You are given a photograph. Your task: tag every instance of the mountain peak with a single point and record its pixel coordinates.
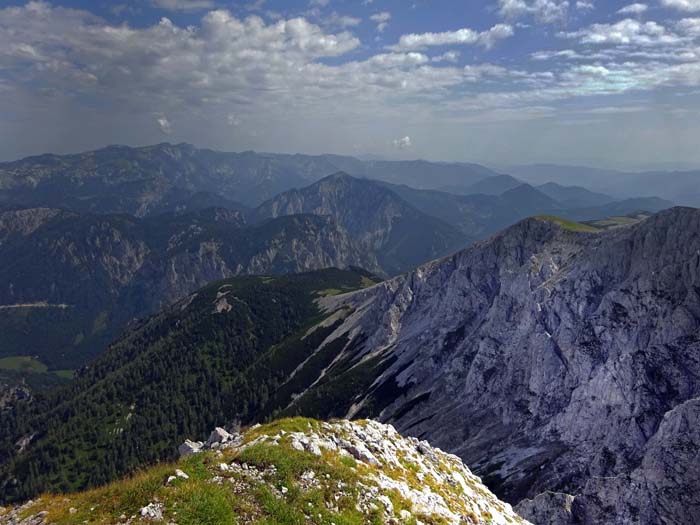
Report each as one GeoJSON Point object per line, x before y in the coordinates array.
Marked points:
{"type": "Point", "coordinates": [339, 176]}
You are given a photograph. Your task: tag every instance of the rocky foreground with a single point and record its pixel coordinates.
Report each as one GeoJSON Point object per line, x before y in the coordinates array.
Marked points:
{"type": "Point", "coordinates": [291, 471]}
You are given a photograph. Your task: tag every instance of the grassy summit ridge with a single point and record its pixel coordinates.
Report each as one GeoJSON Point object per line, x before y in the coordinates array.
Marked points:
{"type": "Point", "coordinates": [568, 224]}
{"type": "Point", "coordinates": [292, 471]}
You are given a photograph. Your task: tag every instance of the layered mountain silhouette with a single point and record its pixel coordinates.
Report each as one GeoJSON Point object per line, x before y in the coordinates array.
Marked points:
{"type": "Point", "coordinates": [74, 279]}
{"type": "Point", "coordinates": [166, 177]}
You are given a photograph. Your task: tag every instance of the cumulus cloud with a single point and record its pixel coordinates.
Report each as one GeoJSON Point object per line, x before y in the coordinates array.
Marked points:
{"type": "Point", "coordinates": [341, 21]}
{"type": "Point", "coordinates": [448, 56]}
{"type": "Point", "coordinates": [164, 124]}
{"type": "Point", "coordinates": [464, 36]}
{"type": "Point", "coordinates": [633, 9]}
{"type": "Point", "coordinates": [546, 11]}
{"type": "Point", "coordinates": [62, 65]}
{"type": "Point", "coordinates": [391, 60]}
{"type": "Point", "coordinates": [403, 142]}
{"type": "Point", "coordinates": [183, 5]}
{"type": "Point", "coordinates": [625, 32]}
{"type": "Point", "coordinates": [479, 71]}
{"type": "Point", "coordinates": [382, 20]}
{"type": "Point", "coordinates": [689, 26]}
{"type": "Point", "coordinates": [584, 5]}
{"type": "Point", "coordinates": [682, 5]}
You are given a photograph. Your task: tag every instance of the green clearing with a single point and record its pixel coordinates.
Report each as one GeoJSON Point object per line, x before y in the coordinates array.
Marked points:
{"type": "Point", "coordinates": [30, 370]}
{"type": "Point", "coordinates": [64, 374]}
{"type": "Point", "coordinates": [617, 221]}
{"type": "Point", "coordinates": [567, 224]}
{"type": "Point", "coordinates": [365, 282]}
{"type": "Point", "coordinates": [23, 363]}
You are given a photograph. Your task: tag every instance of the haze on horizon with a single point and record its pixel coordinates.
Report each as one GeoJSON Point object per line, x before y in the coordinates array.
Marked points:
{"type": "Point", "coordinates": [603, 83]}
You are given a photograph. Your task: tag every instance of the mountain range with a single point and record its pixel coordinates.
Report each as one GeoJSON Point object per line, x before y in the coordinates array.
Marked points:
{"type": "Point", "coordinates": [74, 280]}
{"type": "Point", "coordinates": [175, 178]}
{"type": "Point", "coordinates": [551, 343]}
{"type": "Point", "coordinates": [560, 363]}
{"type": "Point", "coordinates": [681, 187]}
{"type": "Point", "coordinates": [138, 265]}
{"type": "Point", "coordinates": [165, 177]}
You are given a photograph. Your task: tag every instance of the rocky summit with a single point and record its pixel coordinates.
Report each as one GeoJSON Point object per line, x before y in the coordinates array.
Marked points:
{"type": "Point", "coordinates": [291, 471]}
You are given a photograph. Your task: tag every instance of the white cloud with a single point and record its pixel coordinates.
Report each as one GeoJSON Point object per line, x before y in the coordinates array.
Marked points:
{"type": "Point", "coordinates": [403, 142]}
{"type": "Point", "coordinates": [381, 19]}
{"type": "Point", "coordinates": [689, 26]}
{"type": "Point", "coordinates": [183, 5]}
{"type": "Point", "coordinates": [625, 32]}
{"type": "Point", "coordinates": [682, 5]}
{"type": "Point", "coordinates": [464, 36]}
{"type": "Point", "coordinates": [584, 5]}
{"type": "Point", "coordinates": [66, 65]}
{"type": "Point", "coordinates": [391, 60]}
{"type": "Point", "coordinates": [479, 71]}
{"type": "Point", "coordinates": [567, 54]}
{"type": "Point", "coordinates": [164, 124]}
{"type": "Point", "coordinates": [633, 9]}
{"type": "Point", "coordinates": [546, 11]}
{"type": "Point", "coordinates": [448, 56]}
{"type": "Point", "coordinates": [341, 21]}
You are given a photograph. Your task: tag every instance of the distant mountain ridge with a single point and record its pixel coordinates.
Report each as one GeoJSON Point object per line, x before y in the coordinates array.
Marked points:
{"type": "Point", "coordinates": [574, 196]}
{"type": "Point", "coordinates": [680, 187]}
{"type": "Point", "coordinates": [481, 215]}
{"type": "Point", "coordinates": [166, 177]}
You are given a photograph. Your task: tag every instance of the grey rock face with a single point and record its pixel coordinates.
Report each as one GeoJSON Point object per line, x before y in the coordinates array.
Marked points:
{"type": "Point", "coordinates": [550, 360]}
{"type": "Point", "coordinates": [663, 488]}
{"type": "Point", "coordinates": [364, 209]}
{"type": "Point", "coordinates": [375, 217]}
{"type": "Point", "coordinates": [548, 508]}
{"type": "Point", "coordinates": [190, 447]}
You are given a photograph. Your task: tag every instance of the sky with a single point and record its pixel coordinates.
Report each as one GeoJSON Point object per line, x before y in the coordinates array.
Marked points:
{"type": "Point", "coordinates": [598, 82]}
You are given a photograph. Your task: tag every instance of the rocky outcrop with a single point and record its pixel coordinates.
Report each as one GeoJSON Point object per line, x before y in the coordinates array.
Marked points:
{"type": "Point", "coordinates": [548, 508]}
{"type": "Point", "coordinates": [306, 471]}
{"type": "Point", "coordinates": [436, 485]}
{"type": "Point", "coordinates": [549, 360]}
{"type": "Point", "coordinates": [10, 394]}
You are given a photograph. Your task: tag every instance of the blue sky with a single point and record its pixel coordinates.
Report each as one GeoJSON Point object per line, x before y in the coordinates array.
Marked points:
{"type": "Point", "coordinates": [599, 82]}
